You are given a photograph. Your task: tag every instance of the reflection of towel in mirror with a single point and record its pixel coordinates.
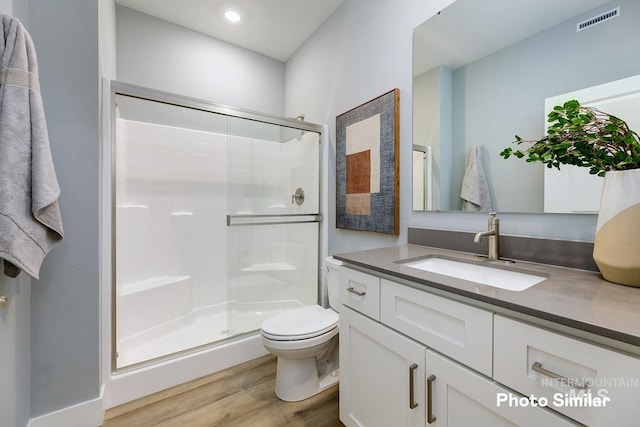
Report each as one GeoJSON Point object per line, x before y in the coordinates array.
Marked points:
{"type": "Point", "coordinates": [30, 222]}
{"type": "Point", "coordinates": [475, 190]}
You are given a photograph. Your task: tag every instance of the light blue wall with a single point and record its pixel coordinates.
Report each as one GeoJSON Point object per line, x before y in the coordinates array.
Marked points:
{"type": "Point", "coordinates": [432, 128]}
{"type": "Point", "coordinates": [15, 344]}
{"type": "Point", "coordinates": [65, 310]}
{"type": "Point", "coordinates": [15, 320]}
{"type": "Point", "coordinates": [17, 8]}
{"type": "Point", "coordinates": [156, 54]}
{"type": "Point", "coordinates": [362, 51]}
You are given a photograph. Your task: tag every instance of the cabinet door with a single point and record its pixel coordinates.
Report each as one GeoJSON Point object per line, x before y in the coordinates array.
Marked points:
{"type": "Point", "coordinates": [460, 397]}
{"type": "Point", "coordinates": [381, 375]}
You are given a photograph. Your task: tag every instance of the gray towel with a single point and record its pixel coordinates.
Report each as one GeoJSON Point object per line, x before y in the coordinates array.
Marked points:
{"type": "Point", "coordinates": [475, 189]}
{"type": "Point", "coordinates": [30, 222]}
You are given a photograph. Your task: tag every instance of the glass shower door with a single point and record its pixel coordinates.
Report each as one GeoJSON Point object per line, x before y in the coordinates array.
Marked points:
{"type": "Point", "coordinates": [273, 221]}
{"type": "Point", "coordinates": [215, 222]}
{"type": "Point", "coordinates": [169, 169]}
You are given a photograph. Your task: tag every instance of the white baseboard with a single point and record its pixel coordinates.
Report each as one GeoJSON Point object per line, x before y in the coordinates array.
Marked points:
{"type": "Point", "coordinates": [85, 414]}
{"type": "Point", "coordinates": [127, 386]}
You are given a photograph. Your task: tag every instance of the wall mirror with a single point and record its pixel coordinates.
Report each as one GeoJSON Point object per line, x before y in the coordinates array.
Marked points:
{"type": "Point", "coordinates": [482, 72]}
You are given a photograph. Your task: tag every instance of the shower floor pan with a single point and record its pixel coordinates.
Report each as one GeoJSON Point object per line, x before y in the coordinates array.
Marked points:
{"type": "Point", "coordinates": [202, 326]}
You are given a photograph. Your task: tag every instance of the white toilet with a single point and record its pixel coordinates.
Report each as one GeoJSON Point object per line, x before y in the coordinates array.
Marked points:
{"type": "Point", "coordinates": [305, 340]}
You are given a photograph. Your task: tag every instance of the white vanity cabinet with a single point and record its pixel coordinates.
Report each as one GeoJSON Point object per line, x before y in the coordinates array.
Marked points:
{"type": "Point", "coordinates": [594, 385]}
{"type": "Point", "coordinates": [409, 362]}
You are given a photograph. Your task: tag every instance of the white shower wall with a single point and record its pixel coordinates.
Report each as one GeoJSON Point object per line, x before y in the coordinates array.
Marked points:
{"type": "Point", "coordinates": [171, 183]}
{"type": "Point", "coordinates": [177, 286]}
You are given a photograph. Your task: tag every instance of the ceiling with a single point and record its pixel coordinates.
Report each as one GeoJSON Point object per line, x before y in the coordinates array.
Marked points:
{"type": "Point", "coordinates": [275, 28]}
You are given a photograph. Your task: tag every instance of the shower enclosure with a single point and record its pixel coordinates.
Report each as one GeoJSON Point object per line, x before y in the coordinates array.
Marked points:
{"type": "Point", "coordinates": [215, 222]}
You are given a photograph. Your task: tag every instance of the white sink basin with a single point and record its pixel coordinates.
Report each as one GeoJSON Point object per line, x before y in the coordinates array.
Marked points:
{"type": "Point", "coordinates": [486, 275]}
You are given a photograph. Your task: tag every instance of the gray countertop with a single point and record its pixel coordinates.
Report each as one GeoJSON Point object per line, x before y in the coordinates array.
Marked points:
{"type": "Point", "coordinates": [576, 298]}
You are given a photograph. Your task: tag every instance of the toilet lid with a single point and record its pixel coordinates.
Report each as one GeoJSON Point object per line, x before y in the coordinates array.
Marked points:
{"type": "Point", "coordinates": [300, 323]}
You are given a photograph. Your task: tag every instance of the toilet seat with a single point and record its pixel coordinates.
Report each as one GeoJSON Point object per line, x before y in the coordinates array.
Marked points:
{"type": "Point", "coordinates": [300, 323]}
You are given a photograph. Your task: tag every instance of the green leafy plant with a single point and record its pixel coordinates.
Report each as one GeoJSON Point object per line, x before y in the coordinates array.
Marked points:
{"type": "Point", "coordinates": [582, 136]}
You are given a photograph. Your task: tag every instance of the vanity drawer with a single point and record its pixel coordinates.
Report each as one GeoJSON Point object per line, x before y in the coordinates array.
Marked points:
{"type": "Point", "coordinates": [460, 331]}
{"type": "Point", "coordinates": [360, 291]}
{"type": "Point", "coordinates": [586, 382]}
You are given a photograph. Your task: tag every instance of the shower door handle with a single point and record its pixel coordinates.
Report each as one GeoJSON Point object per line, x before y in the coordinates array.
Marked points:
{"type": "Point", "coordinates": [298, 197]}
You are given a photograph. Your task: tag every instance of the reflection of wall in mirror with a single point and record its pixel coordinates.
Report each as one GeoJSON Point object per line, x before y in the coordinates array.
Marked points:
{"type": "Point", "coordinates": [503, 94]}
{"type": "Point", "coordinates": [432, 128]}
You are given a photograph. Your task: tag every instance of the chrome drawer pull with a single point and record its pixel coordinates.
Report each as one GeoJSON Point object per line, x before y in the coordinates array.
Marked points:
{"type": "Point", "coordinates": [430, 417]}
{"type": "Point", "coordinates": [412, 402]}
{"type": "Point", "coordinates": [351, 290]}
{"type": "Point", "coordinates": [537, 367]}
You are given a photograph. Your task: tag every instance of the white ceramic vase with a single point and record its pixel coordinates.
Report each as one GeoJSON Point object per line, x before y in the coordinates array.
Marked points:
{"type": "Point", "coordinates": [616, 248]}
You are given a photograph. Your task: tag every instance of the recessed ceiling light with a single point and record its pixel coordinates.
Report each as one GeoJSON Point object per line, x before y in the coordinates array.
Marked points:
{"type": "Point", "coordinates": [232, 15]}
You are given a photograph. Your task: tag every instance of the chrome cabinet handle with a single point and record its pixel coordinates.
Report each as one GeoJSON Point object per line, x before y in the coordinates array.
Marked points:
{"type": "Point", "coordinates": [430, 417]}
{"type": "Point", "coordinates": [412, 402]}
{"type": "Point", "coordinates": [351, 290]}
{"type": "Point", "coordinates": [537, 367]}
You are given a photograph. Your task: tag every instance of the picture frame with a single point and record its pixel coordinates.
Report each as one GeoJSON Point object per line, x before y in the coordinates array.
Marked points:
{"type": "Point", "coordinates": [367, 166]}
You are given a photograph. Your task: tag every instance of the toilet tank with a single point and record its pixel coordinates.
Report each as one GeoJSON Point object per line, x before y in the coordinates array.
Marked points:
{"type": "Point", "coordinates": [333, 281]}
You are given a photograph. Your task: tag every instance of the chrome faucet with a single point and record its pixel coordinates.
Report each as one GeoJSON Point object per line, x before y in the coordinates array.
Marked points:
{"type": "Point", "coordinates": [492, 235]}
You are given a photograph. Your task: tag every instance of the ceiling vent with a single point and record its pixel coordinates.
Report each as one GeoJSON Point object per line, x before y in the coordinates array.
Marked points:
{"type": "Point", "coordinates": [613, 13]}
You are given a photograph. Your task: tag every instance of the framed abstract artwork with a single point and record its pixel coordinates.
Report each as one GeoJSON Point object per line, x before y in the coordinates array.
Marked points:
{"type": "Point", "coordinates": [367, 163]}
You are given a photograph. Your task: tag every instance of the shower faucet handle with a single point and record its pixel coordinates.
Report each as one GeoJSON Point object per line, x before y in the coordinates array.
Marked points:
{"type": "Point", "coordinates": [298, 197]}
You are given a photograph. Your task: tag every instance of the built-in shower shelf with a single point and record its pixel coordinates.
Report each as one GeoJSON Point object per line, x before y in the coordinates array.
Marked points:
{"type": "Point", "coordinates": [152, 283]}
{"type": "Point", "coordinates": [269, 266]}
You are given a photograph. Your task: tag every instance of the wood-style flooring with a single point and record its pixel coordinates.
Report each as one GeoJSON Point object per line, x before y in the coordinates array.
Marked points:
{"type": "Point", "coordinates": [239, 396]}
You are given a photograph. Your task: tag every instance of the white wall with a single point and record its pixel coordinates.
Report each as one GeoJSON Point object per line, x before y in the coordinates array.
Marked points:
{"type": "Point", "coordinates": [362, 51]}
{"type": "Point", "coordinates": [159, 55]}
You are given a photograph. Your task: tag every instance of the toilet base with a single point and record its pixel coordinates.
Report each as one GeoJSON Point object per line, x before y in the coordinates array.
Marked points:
{"type": "Point", "coordinates": [297, 379]}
